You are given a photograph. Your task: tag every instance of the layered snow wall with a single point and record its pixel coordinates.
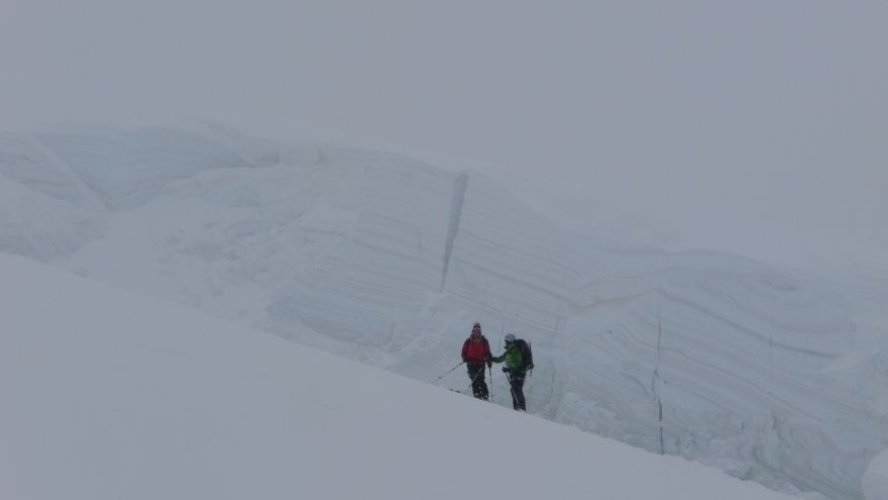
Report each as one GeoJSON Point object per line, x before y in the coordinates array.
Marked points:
{"type": "Point", "coordinates": [388, 260]}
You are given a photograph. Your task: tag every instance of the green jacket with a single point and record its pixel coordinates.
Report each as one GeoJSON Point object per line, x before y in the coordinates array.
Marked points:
{"type": "Point", "coordinates": [513, 358]}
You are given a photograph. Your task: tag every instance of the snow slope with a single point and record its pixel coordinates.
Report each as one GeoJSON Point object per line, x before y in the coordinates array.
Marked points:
{"type": "Point", "coordinates": [387, 260]}
{"type": "Point", "coordinates": [107, 396]}
{"type": "Point", "coordinates": [875, 480]}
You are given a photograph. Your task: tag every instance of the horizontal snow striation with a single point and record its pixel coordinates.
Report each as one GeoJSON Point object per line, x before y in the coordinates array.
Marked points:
{"type": "Point", "coordinates": [759, 373]}
{"type": "Point", "coordinates": [368, 273]}
{"type": "Point", "coordinates": [771, 412]}
{"type": "Point", "coordinates": [735, 346]}
{"type": "Point", "coordinates": [127, 168]}
{"type": "Point", "coordinates": [512, 269]}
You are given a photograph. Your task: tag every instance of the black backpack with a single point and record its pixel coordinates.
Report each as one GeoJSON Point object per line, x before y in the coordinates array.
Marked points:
{"type": "Point", "coordinates": [526, 354]}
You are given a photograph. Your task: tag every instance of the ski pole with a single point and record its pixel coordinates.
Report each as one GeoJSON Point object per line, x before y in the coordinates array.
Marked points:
{"type": "Point", "coordinates": [448, 372]}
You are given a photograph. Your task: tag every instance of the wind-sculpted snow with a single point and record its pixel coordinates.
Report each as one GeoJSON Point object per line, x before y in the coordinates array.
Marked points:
{"type": "Point", "coordinates": [128, 168]}
{"type": "Point", "coordinates": [388, 260]}
{"type": "Point", "coordinates": [45, 211]}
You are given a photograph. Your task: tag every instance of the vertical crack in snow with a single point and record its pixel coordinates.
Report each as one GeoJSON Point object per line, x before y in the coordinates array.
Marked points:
{"type": "Point", "coordinates": [662, 442]}
{"type": "Point", "coordinates": [657, 378]}
{"type": "Point", "coordinates": [456, 206]}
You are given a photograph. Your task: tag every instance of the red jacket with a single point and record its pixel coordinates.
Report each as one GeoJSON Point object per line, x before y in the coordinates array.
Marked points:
{"type": "Point", "coordinates": [476, 352]}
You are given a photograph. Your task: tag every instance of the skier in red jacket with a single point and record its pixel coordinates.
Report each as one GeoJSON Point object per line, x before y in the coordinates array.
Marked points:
{"type": "Point", "coordinates": [476, 354]}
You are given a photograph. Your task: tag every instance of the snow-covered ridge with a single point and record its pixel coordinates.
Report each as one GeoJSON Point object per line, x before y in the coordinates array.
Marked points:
{"type": "Point", "coordinates": [387, 260]}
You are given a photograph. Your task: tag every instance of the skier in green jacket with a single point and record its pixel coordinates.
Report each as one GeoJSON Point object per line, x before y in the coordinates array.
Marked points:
{"type": "Point", "coordinates": [518, 359]}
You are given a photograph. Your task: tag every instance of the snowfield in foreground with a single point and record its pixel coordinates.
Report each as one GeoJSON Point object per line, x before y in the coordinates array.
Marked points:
{"type": "Point", "coordinates": [768, 375]}
{"type": "Point", "coordinates": [110, 396]}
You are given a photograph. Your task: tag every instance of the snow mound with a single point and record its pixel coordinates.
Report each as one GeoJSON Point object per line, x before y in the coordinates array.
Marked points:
{"type": "Point", "coordinates": [875, 480]}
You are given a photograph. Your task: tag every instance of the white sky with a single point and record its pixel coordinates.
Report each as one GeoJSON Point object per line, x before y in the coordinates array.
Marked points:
{"type": "Point", "coordinates": [758, 128]}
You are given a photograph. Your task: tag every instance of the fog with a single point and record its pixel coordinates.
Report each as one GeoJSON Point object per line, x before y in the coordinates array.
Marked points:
{"type": "Point", "coordinates": [756, 128]}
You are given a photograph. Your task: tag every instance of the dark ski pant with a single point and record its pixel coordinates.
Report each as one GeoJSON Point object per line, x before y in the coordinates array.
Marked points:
{"type": "Point", "coordinates": [476, 375]}
{"type": "Point", "coordinates": [516, 380]}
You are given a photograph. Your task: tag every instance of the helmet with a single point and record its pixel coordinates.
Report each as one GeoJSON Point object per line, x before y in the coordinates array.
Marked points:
{"type": "Point", "coordinates": [510, 338]}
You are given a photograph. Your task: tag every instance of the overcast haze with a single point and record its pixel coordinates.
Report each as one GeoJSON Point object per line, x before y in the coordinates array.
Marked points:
{"type": "Point", "coordinates": [757, 128]}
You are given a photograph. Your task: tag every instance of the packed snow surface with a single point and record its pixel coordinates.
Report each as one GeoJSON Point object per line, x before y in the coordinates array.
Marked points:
{"type": "Point", "coordinates": [107, 396]}
{"type": "Point", "coordinates": [875, 480]}
{"type": "Point", "coordinates": [386, 260]}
